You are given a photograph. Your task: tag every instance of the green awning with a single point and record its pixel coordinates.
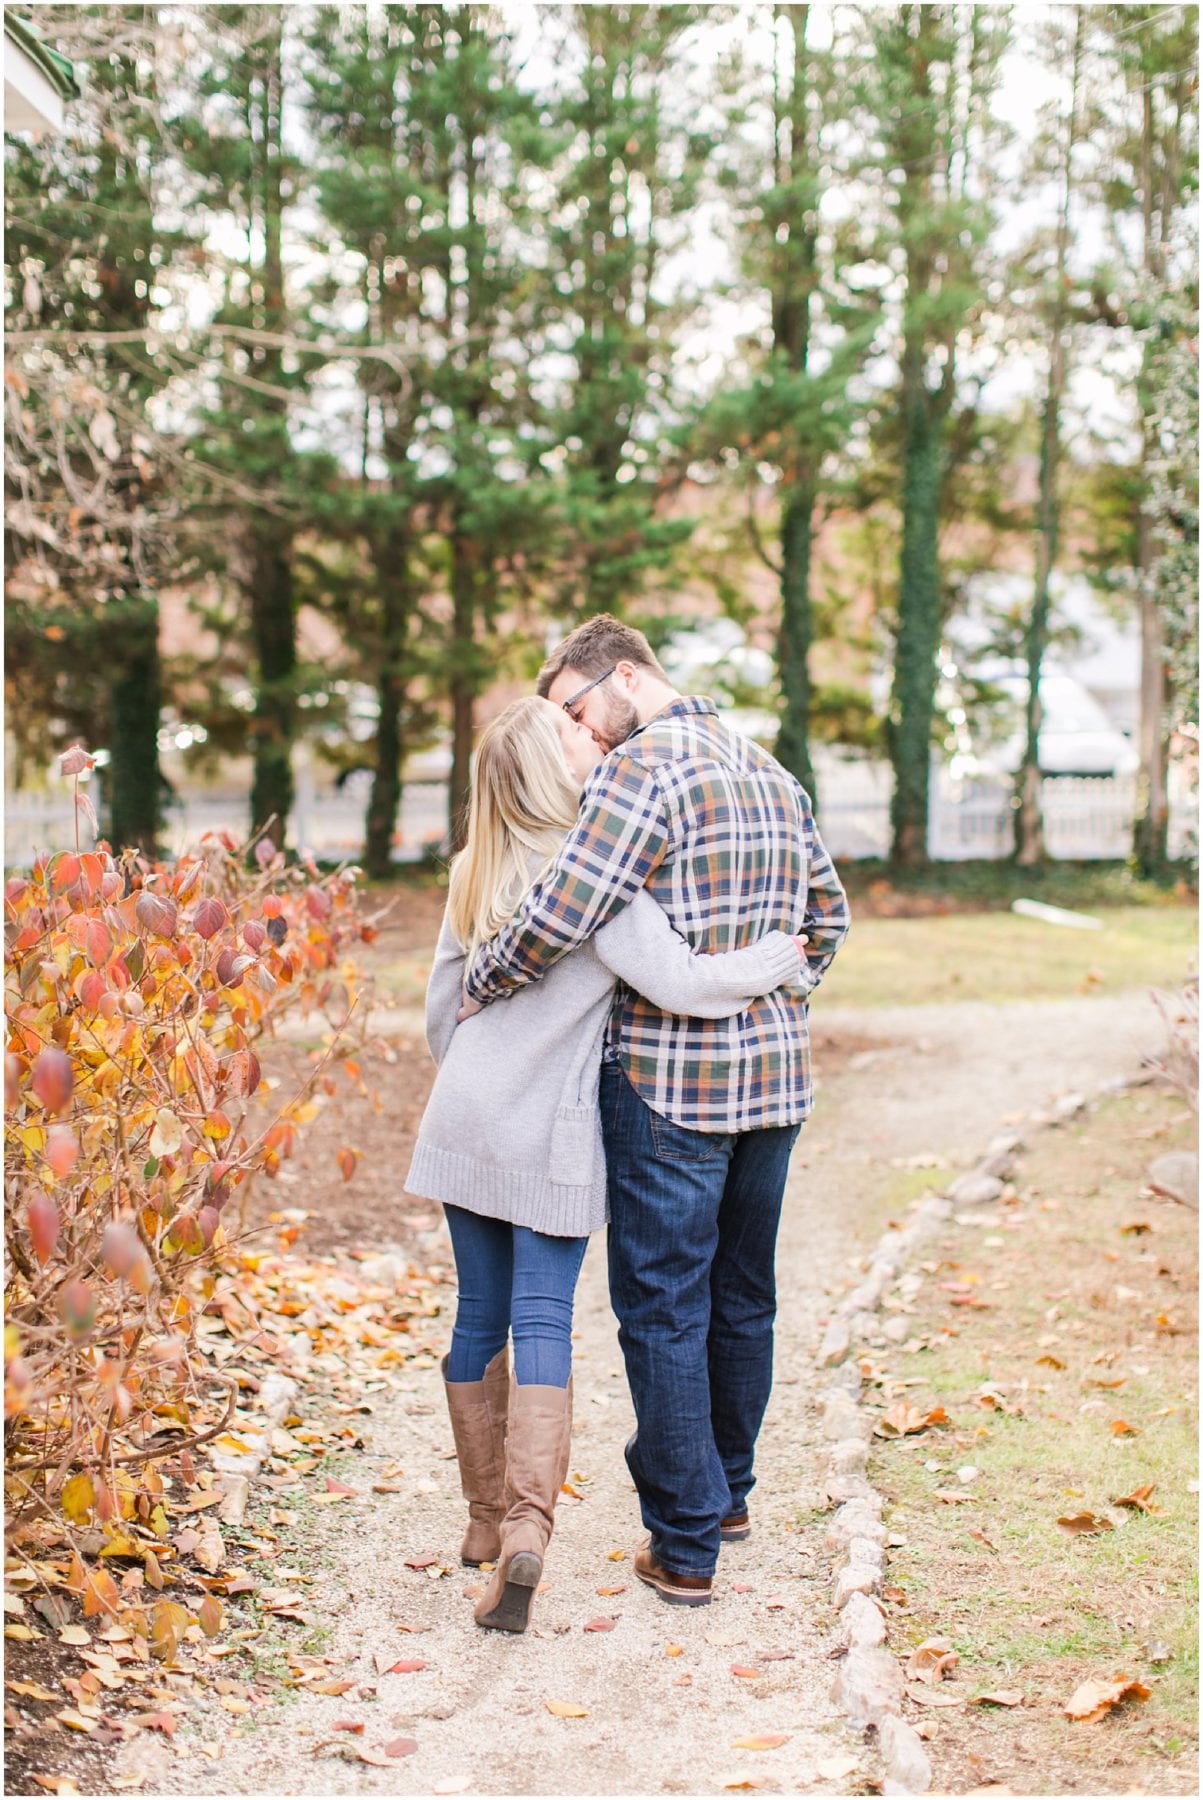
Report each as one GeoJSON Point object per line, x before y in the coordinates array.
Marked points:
{"type": "Point", "coordinates": [58, 71]}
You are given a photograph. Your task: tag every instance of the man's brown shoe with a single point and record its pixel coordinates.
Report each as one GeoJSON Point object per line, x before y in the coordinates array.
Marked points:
{"type": "Point", "coordinates": [678, 1590]}
{"type": "Point", "coordinates": [735, 1528]}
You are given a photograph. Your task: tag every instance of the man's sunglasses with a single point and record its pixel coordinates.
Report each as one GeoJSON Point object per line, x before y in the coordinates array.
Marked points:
{"type": "Point", "coordinates": [574, 700]}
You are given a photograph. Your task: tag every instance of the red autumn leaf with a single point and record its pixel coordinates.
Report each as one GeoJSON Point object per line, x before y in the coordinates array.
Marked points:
{"type": "Point", "coordinates": [601, 1625]}
{"type": "Point", "coordinates": [338, 1487]}
{"type": "Point", "coordinates": [75, 761]}
{"type": "Point", "coordinates": [745, 1671]}
{"type": "Point", "coordinates": [42, 1219]}
{"type": "Point", "coordinates": [209, 917]}
{"type": "Point", "coordinates": [52, 1079]}
{"type": "Point", "coordinates": [62, 1149]}
{"type": "Point", "coordinates": [347, 1159]}
{"type": "Point", "coordinates": [347, 1725]}
{"type": "Point", "coordinates": [155, 913]}
{"type": "Point", "coordinates": [401, 1747]}
{"type": "Point", "coordinates": [421, 1562]}
{"type": "Point", "coordinates": [405, 1668]}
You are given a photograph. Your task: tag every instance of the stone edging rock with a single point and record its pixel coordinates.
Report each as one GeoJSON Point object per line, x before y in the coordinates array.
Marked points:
{"type": "Point", "coordinates": [869, 1684]}
{"type": "Point", "coordinates": [237, 1470]}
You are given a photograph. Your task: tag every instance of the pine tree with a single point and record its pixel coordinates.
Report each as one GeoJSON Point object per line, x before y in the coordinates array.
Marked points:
{"type": "Point", "coordinates": [797, 412]}
{"type": "Point", "coordinates": [234, 144]}
{"type": "Point", "coordinates": [625, 185]}
{"type": "Point", "coordinates": [934, 69]}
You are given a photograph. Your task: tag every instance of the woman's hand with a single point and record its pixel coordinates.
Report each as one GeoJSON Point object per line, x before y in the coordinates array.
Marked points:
{"type": "Point", "coordinates": [468, 1006]}
{"type": "Point", "coordinates": [801, 940]}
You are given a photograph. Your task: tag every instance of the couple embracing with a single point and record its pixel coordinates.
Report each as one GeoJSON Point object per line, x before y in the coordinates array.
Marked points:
{"type": "Point", "coordinates": [618, 1009]}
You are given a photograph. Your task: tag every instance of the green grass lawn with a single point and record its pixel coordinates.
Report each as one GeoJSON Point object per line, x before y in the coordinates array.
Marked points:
{"type": "Point", "coordinates": [1000, 956]}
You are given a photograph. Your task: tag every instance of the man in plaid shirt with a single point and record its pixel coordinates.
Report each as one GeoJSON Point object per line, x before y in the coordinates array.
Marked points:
{"type": "Point", "coordinates": [699, 1115]}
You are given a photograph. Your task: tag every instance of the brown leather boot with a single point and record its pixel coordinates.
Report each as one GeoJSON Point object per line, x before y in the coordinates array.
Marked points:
{"type": "Point", "coordinates": [537, 1447]}
{"type": "Point", "coordinates": [478, 1424]}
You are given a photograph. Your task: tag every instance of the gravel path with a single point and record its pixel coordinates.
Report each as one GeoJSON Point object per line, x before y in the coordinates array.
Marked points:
{"type": "Point", "coordinates": [941, 1082]}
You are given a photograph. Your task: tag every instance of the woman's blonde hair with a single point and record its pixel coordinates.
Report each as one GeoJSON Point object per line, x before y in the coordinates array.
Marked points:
{"type": "Point", "coordinates": [523, 802]}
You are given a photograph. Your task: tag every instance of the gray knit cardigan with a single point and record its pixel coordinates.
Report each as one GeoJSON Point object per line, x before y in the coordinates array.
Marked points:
{"type": "Point", "coordinates": [512, 1128]}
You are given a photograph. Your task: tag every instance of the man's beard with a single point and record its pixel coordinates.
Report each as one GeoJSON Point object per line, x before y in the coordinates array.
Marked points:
{"type": "Point", "coordinates": [621, 720]}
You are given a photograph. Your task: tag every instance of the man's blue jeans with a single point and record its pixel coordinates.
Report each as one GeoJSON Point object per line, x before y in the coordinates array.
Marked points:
{"type": "Point", "coordinates": [510, 1276]}
{"type": "Point", "coordinates": [692, 1239]}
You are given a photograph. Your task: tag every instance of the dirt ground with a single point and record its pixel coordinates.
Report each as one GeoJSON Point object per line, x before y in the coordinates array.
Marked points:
{"type": "Point", "coordinates": [662, 1705]}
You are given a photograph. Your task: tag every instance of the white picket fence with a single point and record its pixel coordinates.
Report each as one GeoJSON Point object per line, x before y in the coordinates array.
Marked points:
{"type": "Point", "coordinates": [1086, 819]}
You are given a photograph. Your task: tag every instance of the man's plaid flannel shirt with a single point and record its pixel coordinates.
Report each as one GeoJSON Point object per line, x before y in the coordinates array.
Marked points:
{"type": "Point", "coordinates": [724, 839]}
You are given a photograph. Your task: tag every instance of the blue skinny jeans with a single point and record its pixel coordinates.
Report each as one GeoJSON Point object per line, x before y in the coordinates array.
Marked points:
{"type": "Point", "coordinates": [512, 1279]}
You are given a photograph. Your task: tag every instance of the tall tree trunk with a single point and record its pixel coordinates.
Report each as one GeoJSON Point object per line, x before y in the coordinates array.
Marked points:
{"type": "Point", "coordinates": [913, 695]}
{"type": "Point", "coordinates": [273, 627]}
{"type": "Point", "coordinates": [1029, 821]}
{"type": "Point", "coordinates": [391, 684]}
{"type": "Point", "coordinates": [133, 773]}
{"type": "Point", "coordinates": [272, 596]}
{"type": "Point", "coordinates": [464, 684]}
{"type": "Point", "coordinates": [791, 332]}
{"type": "Point", "coordinates": [1150, 838]}
{"type": "Point", "coordinates": [794, 638]}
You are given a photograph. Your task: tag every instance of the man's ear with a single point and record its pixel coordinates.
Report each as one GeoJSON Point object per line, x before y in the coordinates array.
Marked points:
{"type": "Point", "coordinates": [628, 670]}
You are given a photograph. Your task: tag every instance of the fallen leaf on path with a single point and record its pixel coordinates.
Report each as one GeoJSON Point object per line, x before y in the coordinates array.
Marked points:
{"type": "Point", "coordinates": [607, 1593]}
{"type": "Point", "coordinates": [999, 1697]}
{"type": "Point", "coordinates": [1121, 1428]}
{"type": "Point", "coordinates": [744, 1781]}
{"type": "Point", "coordinates": [724, 1640]}
{"type": "Point", "coordinates": [1135, 1227]}
{"type": "Point", "coordinates": [951, 1497]}
{"type": "Point", "coordinates": [1112, 1381]}
{"type": "Point", "coordinates": [56, 1784]}
{"type": "Point", "coordinates": [333, 1688]}
{"type": "Point", "coordinates": [902, 1419]}
{"type": "Point", "coordinates": [1093, 1700]}
{"type": "Point", "coordinates": [421, 1562]}
{"type": "Point", "coordinates": [775, 1603]}
{"type": "Point", "coordinates": [1085, 1524]}
{"type": "Point", "coordinates": [929, 1696]}
{"type": "Point", "coordinates": [745, 1671]}
{"type": "Point", "coordinates": [834, 1768]}
{"type": "Point", "coordinates": [770, 1740]}
{"type": "Point", "coordinates": [30, 1690]}
{"type": "Point", "coordinates": [353, 1725]}
{"type": "Point", "coordinates": [404, 1668]}
{"type": "Point", "coordinates": [566, 1709]}
{"type": "Point", "coordinates": [975, 1531]}
{"type": "Point", "coordinates": [932, 1660]}
{"type": "Point", "coordinates": [1138, 1499]}
{"type": "Point", "coordinates": [616, 1556]}
{"type": "Point", "coordinates": [401, 1747]}
{"type": "Point", "coordinates": [340, 1488]}
{"type": "Point", "coordinates": [740, 1587]}
{"type": "Point", "coordinates": [601, 1625]}
{"type": "Point", "coordinates": [1049, 1362]}
{"type": "Point", "coordinates": [673, 1650]}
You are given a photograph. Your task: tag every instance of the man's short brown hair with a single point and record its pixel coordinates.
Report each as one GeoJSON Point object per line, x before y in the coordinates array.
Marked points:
{"type": "Point", "coordinates": [596, 646]}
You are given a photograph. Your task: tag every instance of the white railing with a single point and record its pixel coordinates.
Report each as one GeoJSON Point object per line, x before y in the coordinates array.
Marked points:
{"type": "Point", "coordinates": [1085, 818]}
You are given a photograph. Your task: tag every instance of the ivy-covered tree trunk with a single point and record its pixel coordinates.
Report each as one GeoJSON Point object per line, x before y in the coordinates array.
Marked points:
{"type": "Point", "coordinates": [796, 281]}
{"type": "Point", "coordinates": [917, 640]}
{"type": "Point", "coordinates": [132, 783]}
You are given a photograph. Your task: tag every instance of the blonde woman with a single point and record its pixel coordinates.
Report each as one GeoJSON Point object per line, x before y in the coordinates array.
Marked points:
{"type": "Point", "coordinates": [511, 1138]}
